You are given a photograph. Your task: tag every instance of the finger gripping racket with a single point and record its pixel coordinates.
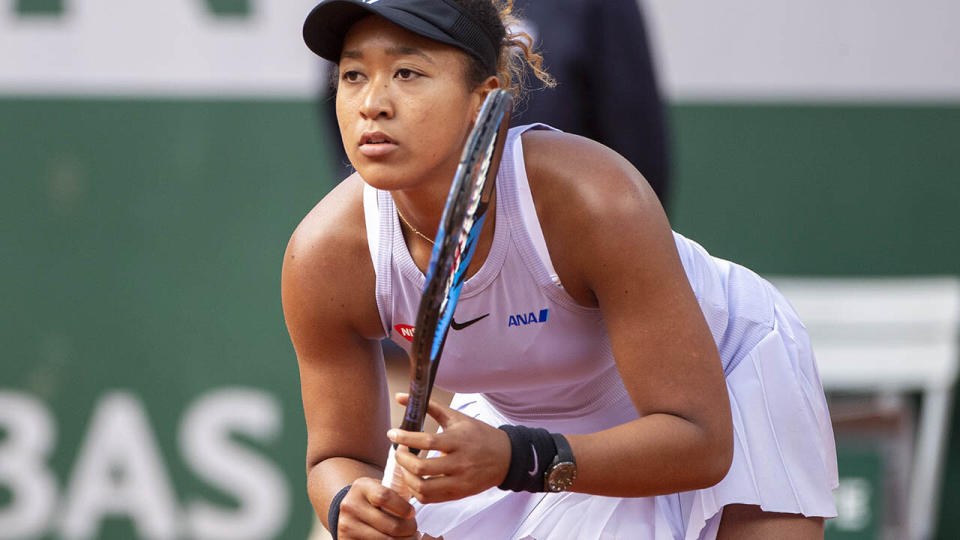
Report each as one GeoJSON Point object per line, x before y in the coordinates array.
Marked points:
{"type": "Point", "coordinates": [460, 226]}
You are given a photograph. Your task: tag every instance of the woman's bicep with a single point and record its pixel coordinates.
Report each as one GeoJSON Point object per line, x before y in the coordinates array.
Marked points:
{"type": "Point", "coordinates": [613, 248]}
{"type": "Point", "coordinates": [345, 403]}
{"type": "Point", "coordinates": [617, 248]}
{"type": "Point", "coordinates": [327, 298]}
{"type": "Point", "coordinates": [661, 342]}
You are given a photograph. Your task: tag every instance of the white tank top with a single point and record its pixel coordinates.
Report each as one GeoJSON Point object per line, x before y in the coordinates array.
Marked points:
{"type": "Point", "coordinates": [518, 338]}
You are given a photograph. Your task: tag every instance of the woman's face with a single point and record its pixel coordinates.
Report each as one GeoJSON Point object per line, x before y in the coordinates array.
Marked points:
{"type": "Point", "coordinates": [403, 105]}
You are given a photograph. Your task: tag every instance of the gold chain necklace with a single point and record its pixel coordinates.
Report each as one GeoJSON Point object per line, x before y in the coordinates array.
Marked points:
{"type": "Point", "coordinates": [412, 228]}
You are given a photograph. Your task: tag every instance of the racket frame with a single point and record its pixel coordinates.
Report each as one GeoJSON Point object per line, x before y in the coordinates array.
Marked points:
{"type": "Point", "coordinates": [462, 222]}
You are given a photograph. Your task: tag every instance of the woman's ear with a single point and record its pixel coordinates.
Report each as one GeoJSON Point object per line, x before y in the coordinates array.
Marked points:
{"type": "Point", "coordinates": [487, 86]}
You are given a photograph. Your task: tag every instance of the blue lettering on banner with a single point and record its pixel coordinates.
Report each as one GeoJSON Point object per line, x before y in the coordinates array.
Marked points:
{"type": "Point", "coordinates": [523, 319]}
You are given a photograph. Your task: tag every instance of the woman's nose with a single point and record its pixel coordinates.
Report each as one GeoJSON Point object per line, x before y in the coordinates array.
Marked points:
{"type": "Point", "coordinates": [376, 101]}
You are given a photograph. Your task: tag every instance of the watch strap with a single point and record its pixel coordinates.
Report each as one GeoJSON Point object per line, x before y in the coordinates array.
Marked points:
{"type": "Point", "coordinates": [563, 470]}
{"type": "Point", "coordinates": [564, 452]}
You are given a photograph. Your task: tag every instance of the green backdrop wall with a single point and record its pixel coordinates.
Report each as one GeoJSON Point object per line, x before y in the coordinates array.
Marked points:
{"type": "Point", "coordinates": [141, 247]}
{"type": "Point", "coordinates": [141, 242]}
{"type": "Point", "coordinates": [822, 189]}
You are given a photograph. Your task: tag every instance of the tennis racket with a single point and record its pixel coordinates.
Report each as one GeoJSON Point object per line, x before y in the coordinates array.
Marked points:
{"type": "Point", "coordinates": [460, 226]}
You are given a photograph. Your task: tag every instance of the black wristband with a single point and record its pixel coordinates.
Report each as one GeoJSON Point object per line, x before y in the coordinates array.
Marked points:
{"type": "Point", "coordinates": [531, 451]}
{"type": "Point", "coordinates": [333, 514]}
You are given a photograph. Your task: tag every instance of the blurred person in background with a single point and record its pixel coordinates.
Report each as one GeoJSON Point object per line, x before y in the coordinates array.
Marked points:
{"type": "Point", "coordinates": [598, 52]}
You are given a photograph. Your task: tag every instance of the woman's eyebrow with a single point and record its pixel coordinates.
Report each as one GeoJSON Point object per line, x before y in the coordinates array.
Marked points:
{"type": "Point", "coordinates": [397, 50]}
{"type": "Point", "coordinates": [400, 50]}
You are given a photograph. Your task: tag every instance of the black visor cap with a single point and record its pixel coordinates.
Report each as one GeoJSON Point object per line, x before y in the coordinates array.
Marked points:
{"type": "Point", "coordinates": [439, 20]}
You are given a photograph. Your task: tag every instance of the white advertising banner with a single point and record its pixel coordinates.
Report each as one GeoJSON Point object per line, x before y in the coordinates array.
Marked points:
{"type": "Point", "coordinates": [731, 50]}
{"type": "Point", "coordinates": [812, 50]}
{"type": "Point", "coordinates": [173, 47]}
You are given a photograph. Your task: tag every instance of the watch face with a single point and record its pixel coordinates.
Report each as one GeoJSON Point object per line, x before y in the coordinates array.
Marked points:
{"type": "Point", "coordinates": [561, 476]}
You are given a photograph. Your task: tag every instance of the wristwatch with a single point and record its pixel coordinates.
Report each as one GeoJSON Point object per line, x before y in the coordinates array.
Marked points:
{"type": "Point", "coordinates": [563, 470]}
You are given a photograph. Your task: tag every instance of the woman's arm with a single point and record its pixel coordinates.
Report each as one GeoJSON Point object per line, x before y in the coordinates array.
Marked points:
{"type": "Point", "coordinates": [612, 247]}
{"type": "Point", "coordinates": [331, 315]}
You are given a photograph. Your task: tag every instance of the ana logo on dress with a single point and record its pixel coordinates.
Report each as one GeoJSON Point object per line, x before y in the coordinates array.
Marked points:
{"type": "Point", "coordinates": [523, 319]}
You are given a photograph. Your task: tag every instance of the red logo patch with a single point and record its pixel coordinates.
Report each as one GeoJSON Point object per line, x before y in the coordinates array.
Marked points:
{"type": "Point", "coordinates": [405, 330]}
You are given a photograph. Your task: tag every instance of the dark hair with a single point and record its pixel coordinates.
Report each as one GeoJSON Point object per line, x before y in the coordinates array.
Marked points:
{"type": "Point", "coordinates": [516, 48]}
{"type": "Point", "coordinates": [488, 17]}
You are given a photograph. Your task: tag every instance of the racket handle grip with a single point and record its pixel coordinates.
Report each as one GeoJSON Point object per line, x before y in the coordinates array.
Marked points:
{"type": "Point", "coordinates": [392, 477]}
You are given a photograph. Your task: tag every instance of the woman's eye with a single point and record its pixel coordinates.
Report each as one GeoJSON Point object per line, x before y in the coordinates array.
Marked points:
{"type": "Point", "coordinates": [406, 74]}
{"type": "Point", "coordinates": [351, 76]}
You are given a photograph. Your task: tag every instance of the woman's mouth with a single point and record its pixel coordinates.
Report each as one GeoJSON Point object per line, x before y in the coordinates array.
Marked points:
{"type": "Point", "coordinates": [376, 144]}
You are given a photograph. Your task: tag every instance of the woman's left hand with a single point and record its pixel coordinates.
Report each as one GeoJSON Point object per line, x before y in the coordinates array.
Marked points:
{"type": "Point", "coordinates": [474, 456]}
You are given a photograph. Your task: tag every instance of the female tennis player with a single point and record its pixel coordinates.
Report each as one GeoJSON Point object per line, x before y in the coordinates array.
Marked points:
{"type": "Point", "coordinates": [613, 380]}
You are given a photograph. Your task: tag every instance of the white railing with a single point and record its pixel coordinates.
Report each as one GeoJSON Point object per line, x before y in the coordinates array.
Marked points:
{"type": "Point", "coordinates": [890, 336]}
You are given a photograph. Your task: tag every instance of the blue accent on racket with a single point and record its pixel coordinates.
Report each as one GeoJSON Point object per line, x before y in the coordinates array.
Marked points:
{"type": "Point", "coordinates": [457, 237]}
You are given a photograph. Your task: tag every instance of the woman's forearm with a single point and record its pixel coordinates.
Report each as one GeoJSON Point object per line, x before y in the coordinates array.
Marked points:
{"type": "Point", "coordinates": [329, 476]}
{"type": "Point", "coordinates": [659, 453]}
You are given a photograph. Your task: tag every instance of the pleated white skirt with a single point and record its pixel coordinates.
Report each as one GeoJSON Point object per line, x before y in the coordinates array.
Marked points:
{"type": "Point", "coordinates": [784, 461]}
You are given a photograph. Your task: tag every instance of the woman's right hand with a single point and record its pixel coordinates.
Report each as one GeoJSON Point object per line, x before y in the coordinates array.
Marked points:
{"type": "Point", "coordinates": [371, 510]}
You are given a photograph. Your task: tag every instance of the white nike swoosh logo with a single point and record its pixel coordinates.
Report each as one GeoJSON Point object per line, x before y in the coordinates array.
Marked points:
{"type": "Point", "coordinates": [535, 461]}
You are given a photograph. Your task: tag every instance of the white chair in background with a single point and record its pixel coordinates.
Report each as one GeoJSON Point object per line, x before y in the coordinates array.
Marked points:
{"type": "Point", "coordinates": [890, 336]}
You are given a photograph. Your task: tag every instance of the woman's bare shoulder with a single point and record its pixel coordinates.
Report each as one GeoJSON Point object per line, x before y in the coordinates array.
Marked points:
{"type": "Point", "coordinates": [581, 169]}
{"type": "Point", "coordinates": [590, 202]}
{"type": "Point", "coordinates": [327, 265]}
{"type": "Point", "coordinates": [335, 221]}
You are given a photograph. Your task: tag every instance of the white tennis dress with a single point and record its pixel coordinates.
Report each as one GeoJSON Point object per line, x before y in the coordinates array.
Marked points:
{"type": "Point", "coordinates": [522, 351]}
